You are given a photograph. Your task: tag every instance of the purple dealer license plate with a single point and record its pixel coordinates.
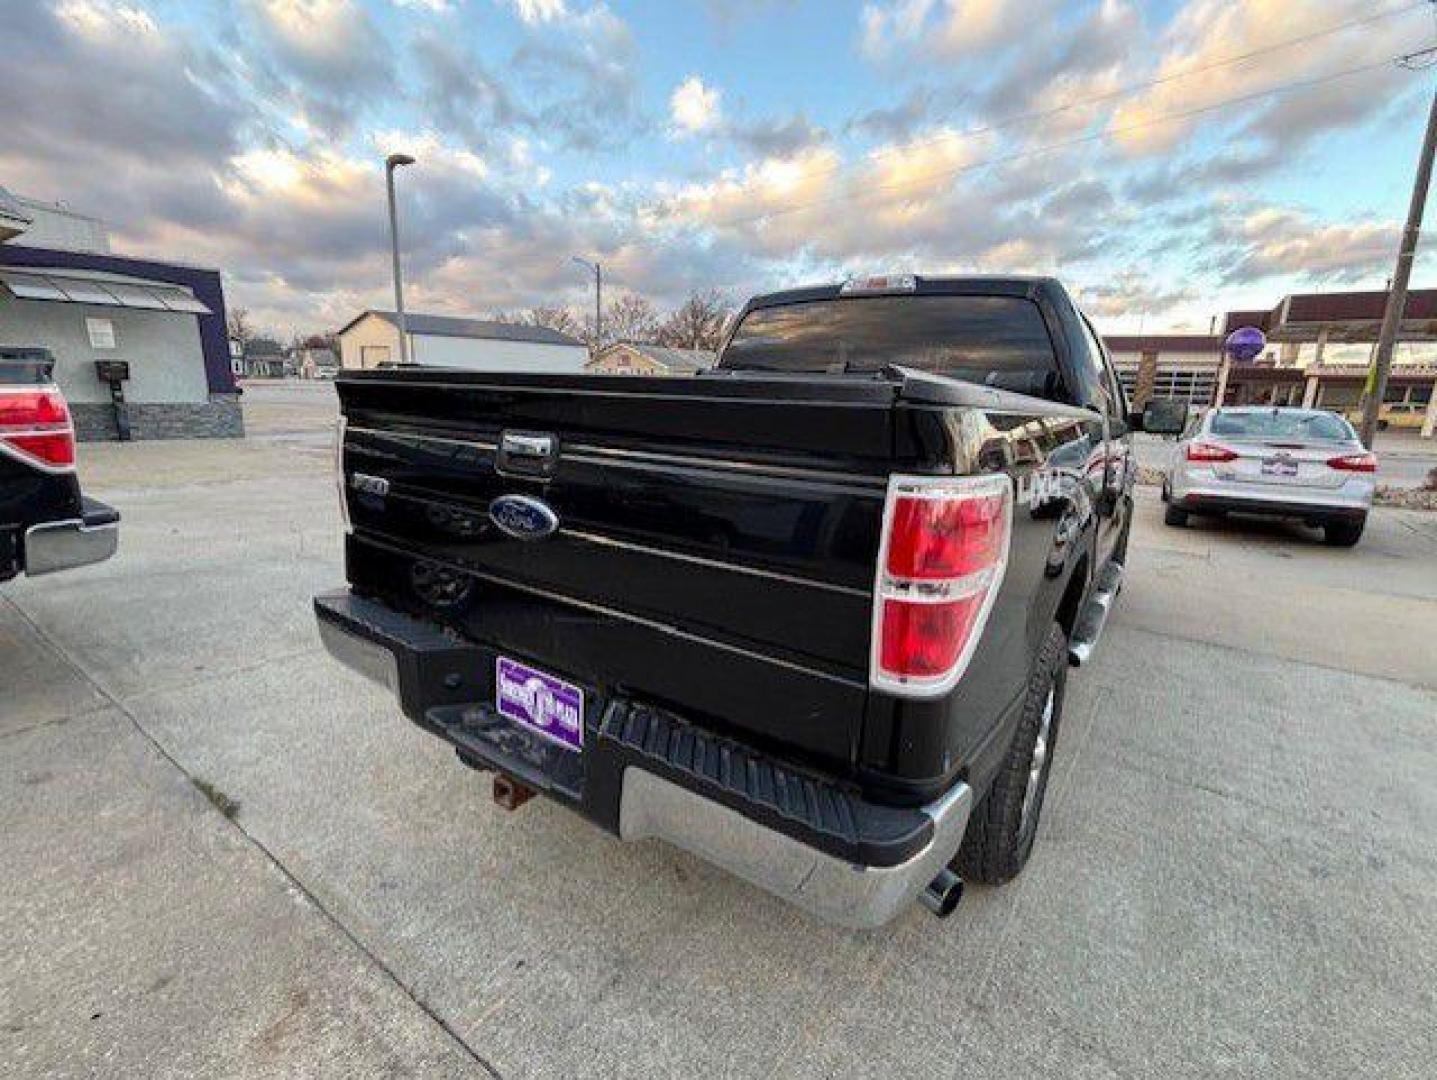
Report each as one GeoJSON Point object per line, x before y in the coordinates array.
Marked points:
{"type": "Point", "coordinates": [552, 707]}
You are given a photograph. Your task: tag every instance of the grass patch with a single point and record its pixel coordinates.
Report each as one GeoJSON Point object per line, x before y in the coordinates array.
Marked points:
{"type": "Point", "coordinates": [227, 806]}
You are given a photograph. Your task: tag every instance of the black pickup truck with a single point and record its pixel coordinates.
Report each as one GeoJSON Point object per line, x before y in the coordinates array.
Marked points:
{"type": "Point", "coordinates": [807, 615]}
{"type": "Point", "coordinates": [45, 523]}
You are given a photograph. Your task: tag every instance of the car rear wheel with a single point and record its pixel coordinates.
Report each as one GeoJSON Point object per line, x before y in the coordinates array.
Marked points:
{"type": "Point", "coordinates": [1342, 533]}
{"type": "Point", "coordinates": [1001, 831]}
{"type": "Point", "coordinates": [1174, 515]}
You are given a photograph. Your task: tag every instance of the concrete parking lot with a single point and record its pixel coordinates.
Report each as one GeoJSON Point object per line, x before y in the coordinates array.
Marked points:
{"type": "Point", "coordinates": [225, 855]}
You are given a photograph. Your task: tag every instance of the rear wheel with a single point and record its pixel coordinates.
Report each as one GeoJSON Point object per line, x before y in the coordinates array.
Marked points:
{"type": "Point", "coordinates": [1174, 515]}
{"type": "Point", "coordinates": [1342, 533]}
{"type": "Point", "coordinates": [1001, 831]}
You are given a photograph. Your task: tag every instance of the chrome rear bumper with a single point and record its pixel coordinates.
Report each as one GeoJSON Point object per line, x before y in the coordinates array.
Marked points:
{"type": "Point", "coordinates": [849, 894]}
{"type": "Point", "coordinates": [63, 545]}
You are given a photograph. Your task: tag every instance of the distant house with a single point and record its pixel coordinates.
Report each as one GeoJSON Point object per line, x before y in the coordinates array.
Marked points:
{"type": "Point", "coordinates": [315, 362]}
{"type": "Point", "coordinates": [264, 358]}
{"type": "Point", "coordinates": [372, 339]}
{"type": "Point", "coordinates": [635, 358]}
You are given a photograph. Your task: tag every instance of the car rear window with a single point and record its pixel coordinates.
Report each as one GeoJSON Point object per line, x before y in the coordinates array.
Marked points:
{"type": "Point", "coordinates": [998, 341]}
{"type": "Point", "coordinates": [1283, 424]}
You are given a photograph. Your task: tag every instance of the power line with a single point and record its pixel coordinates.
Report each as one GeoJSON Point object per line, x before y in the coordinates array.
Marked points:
{"type": "Point", "coordinates": [1132, 88]}
{"type": "Point", "coordinates": [1002, 159]}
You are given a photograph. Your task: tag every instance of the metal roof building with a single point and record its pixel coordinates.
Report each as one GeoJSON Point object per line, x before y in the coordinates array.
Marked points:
{"type": "Point", "coordinates": [371, 339]}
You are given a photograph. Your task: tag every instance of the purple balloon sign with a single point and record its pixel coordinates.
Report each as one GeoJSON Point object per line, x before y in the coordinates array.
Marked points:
{"type": "Point", "coordinates": [1245, 343]}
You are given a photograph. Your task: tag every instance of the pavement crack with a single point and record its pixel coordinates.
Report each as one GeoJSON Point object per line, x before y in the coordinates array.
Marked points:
{"type": "Point", "coordinates": [273, 859]}
{"type": "Point", "coordinates": [55, 721]}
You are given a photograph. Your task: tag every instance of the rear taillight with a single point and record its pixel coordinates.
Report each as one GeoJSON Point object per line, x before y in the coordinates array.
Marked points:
{"type": "Point", "coordinates": [35, 426]}
{"type": "Point", "coordinates": [1199, 451]}
{"type": "Point", "coordinates": [940, 563]}
{"type": "Point", "coordinates": [1364, 462]}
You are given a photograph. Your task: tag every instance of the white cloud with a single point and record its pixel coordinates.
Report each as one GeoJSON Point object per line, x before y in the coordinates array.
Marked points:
{"type": "Point", "coordinates": [1269, 241]}
{"type": "Point", "coordinates": [901, 198]}
{"type": "Point", "coordinates": [1208, 32]}
{"type": "Point", "coordinates": [101, 21]}
{"type": "Point", "coordinates": [961, 27]}
{"type": "Point", "coordinates": [695, 108]}
{"type": "Point", "coordinates": [539, 11]}
{"type": "Point", "coordinates": [325, 58]}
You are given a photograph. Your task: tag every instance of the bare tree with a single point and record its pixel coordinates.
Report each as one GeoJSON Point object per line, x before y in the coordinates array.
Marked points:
{"type": "Point", "coordinates": [241, 330]}
{"type": "Point", "coordinates": [698, 323]}
{"type": "Point", "coordinates": [631, 318]}
{"type": "Point", "coordinates": [555, 318]}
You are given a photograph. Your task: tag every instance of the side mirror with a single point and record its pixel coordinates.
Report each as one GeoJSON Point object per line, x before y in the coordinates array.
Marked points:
{"type": "Point", "coordinates": [1162, 416]}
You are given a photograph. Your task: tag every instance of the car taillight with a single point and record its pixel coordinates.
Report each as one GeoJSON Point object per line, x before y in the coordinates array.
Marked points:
{"type": "Point", "coordinates": [941, 560]}
{"type": "Point", "coordinates": [1199, 451]}
{"type": "Point", "coordinates": [1365, 462]}
{"type": "Point", "coordinates": [35, 426]}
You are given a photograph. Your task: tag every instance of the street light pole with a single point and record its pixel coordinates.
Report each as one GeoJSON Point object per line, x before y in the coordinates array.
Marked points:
{"type": "Point", "coordinates": [1397, 295]}
{"type": "Point", "coordinates": [598, 299]}
{"type": "Point", "coordinates": [392, 162]}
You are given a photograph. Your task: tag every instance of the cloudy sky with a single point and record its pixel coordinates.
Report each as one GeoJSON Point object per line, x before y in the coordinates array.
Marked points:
{"type": "Point", "coordinates": [1168, 158]}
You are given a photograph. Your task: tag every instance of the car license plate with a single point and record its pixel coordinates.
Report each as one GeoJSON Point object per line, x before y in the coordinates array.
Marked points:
{"type": "Point", "coordinates": [1279, 466]}
{"type": "Point", "coordinates": [551, 707]}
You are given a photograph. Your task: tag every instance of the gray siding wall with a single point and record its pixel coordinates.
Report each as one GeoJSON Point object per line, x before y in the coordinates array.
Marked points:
{"type": "Point", "coordinates": [163, 347]}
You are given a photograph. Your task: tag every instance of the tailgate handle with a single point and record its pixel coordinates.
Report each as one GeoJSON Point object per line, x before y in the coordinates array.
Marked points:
{"type": "Point", "coordinates": [527, 453]}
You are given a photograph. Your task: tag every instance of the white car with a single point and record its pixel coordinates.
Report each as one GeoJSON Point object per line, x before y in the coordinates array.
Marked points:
{"type": "Point", "coordinates": [1304, 464]}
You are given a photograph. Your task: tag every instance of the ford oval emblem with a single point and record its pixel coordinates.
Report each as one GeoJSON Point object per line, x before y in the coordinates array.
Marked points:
{"type": "Point", "coordinates": [523, 517]}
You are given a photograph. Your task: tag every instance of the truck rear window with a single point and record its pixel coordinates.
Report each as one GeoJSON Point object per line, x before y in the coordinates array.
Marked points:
{"type": "Point", "coordinates": [998, 341]}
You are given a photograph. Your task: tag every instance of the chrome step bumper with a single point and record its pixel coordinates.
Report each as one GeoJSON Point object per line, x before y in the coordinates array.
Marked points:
{"type": "Point", "coordinates": [63, 545]}
{"type": "Point", "coordinates": [848, 894]}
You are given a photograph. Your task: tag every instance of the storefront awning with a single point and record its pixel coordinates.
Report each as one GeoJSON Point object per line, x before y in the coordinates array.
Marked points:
{"type": "Point", "coordinates": [97, 287]}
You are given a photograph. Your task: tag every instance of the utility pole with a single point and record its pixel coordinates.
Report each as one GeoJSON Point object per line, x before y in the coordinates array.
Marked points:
{"type": "Point", "coordinates": [1397, 295]}
{"type": "Point", "coordinates": [598, 299]}
{"type": "Point", "coordinates": [392, 162]}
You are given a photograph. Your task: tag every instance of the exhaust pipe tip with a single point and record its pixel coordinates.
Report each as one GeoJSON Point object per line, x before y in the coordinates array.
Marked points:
{"type": "Point", "coordinates": [943, 893]}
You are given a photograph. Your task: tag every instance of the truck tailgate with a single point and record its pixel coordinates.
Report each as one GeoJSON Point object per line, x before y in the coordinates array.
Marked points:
{"type": "Point", "coordinates": [716, 539]}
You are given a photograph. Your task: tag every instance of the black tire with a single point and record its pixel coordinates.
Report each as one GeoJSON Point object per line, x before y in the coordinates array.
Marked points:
{"type": "Point", "coordinates": [1000, 838]}
{"type": "Point", "coordinates": [1342, 533]}
{"type": "Point", "coordinates": [1174, 515]}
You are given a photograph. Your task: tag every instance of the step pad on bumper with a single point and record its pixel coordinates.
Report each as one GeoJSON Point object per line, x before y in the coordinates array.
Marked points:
{"type": "Point", "coordinates": [835, 819]}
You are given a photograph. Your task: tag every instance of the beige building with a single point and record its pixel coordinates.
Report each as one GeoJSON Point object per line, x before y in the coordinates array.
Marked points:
{"type": "Point", "coordinates": [634, 358]}
{"type": "Point", "coordinates": [1184, 366]}
{"type": "Point", "coordinates": [372, 339]}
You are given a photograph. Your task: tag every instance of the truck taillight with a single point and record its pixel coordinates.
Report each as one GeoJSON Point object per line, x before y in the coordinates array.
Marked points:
{"type": "Point", "coordinates": [35, 426]}
{"type": "Point", "coordinates": [940, 564]}
{"type": "Point", "coordinates": [1354, 462]}
{"type": "Point", "coordinates": [1201, 451]}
